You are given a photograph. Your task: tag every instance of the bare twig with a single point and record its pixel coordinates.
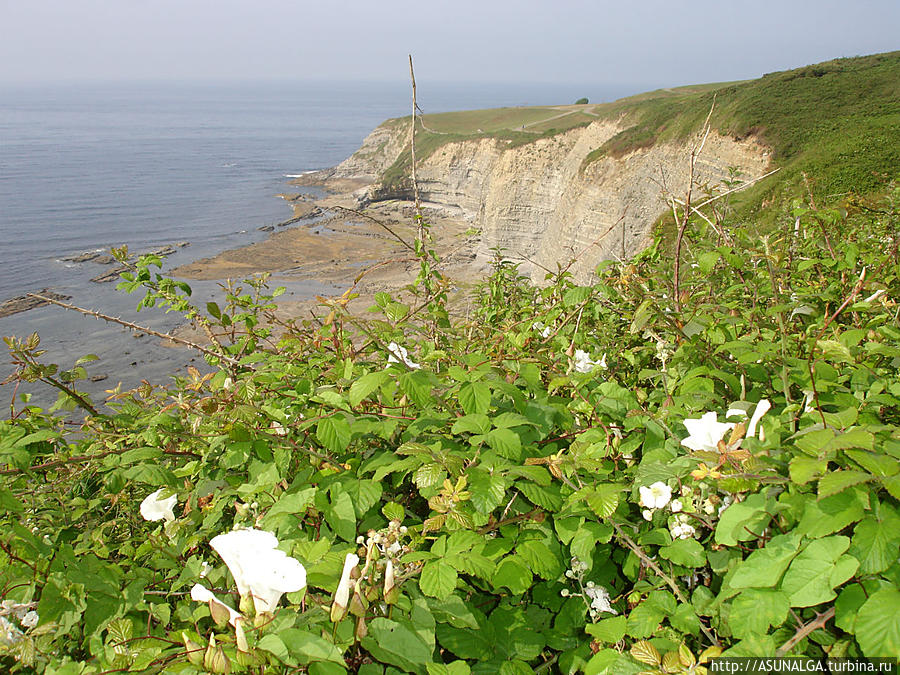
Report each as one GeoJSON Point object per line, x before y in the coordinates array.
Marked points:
{"type": "Point", "coordinates": [804, 630]}
{"type": "Point", "coordinates": [638, 551]}
{"type": "Point", "coordinates": [420, 232]}
{"type": "Point", "coordinates": [141, 329]}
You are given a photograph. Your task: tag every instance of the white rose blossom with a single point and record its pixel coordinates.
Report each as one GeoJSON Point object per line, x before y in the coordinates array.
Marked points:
{"type": "Point", "coordinates": [153, 508]}
{"type": "Point", "coordinates": [676, 505]}
{"type": "Point", "coordinates": [705, 433]}
{"type": "Point", "coordinates": [259, 568]}
{"type": "Point", "coordinates": [398, 354]}
{"type": "Point", "coordinates": [656, 496]}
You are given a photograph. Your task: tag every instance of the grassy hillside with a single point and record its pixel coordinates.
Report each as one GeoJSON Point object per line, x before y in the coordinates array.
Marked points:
{"type": "Point", "coordinates": [837, 121]}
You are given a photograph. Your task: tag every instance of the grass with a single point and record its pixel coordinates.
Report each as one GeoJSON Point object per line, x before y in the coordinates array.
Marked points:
{"type": "Point", "coordinates": [837, 122]}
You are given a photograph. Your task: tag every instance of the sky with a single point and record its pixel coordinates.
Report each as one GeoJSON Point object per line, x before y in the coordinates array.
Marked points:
{"type": "Point", "coordinates": [645, 43]}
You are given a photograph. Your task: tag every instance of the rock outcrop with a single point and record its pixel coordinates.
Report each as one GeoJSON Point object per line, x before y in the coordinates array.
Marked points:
{"type": "Point", "coordinates": [541, 202]}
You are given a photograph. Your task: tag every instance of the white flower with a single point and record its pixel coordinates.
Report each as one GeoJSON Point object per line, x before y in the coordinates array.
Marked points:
{"type": "Point", "coordinates": [9, 634]}
{"type": "Point", "coordinates": [600, 599]}
{"type": "Point", "coordinates": [647, 514]}
{"type": "Point", "coordinates": [705, 433]}
{"type": "Point", "coordinates": [584, 364]}
{"type": "Point", "coordinates": [676, 505]}
{"type": "Point", "coordinates": [228, 383]}
{"type": "Point", "coordinates": [761, 409]}
{"type": "Point", "coordinates": [656, 496]}
{"type": "Point", "coordinates": [726, 502]}
{"type": "Point", "coordinates": [200, 593]}
{"type": "Point", "coordinates": [809, 398]}
{"type": "Point", "coordinates": [259, 568]}
{"type": "Point", "coordinates": [30, 620]}
{"type": "Point", "coordinates": [278, 429]}
{"type": "Point", "coordinates": [205, 568]}
{"type": "Point", "coordinates": [342, 594]}
{"type": "Point", "coordinates": [154, 508]}
{"type": "Point", "coordinates": [541, 328]}
{"type": "Point", "coordinates": [399, 354]}
{"type": "Point", "coordinates": [388, 576]}
{"type": "Point", "coordinates": [877, 294]}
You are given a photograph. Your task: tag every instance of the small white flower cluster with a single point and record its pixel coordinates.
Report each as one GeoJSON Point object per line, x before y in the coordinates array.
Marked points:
{"type": "Point", "coordinates": [23, 613]}
{"type": "Point", "coordinates": [398, 354]}
{"type": "Point", "coordinates": [595, 597]}
{"type": "Point", "coordinates": [584, 363]}
{"type": "Point", "coordinates": [682, 529]}
{"type": "Point", "coordinates": [386, 540]}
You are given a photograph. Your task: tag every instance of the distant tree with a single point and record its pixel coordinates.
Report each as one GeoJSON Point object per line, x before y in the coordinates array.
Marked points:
{"type": "Point", "coordinates": [581, 101]}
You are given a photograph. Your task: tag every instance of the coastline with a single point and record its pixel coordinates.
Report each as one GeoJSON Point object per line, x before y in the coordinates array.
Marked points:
{"type": "Point", "coordinates": [337, 244]}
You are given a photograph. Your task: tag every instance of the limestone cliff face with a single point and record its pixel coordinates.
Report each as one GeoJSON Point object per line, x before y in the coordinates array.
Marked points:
{"type": "Point", "coordinates": [541, 204]}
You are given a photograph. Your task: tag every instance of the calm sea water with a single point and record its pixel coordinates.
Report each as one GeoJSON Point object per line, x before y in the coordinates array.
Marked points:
{"type": "Point", "coordinates": [83, 168]}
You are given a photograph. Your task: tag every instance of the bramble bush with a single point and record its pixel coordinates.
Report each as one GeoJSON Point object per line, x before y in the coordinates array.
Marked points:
{"type": "Point", "coordinates": [597, 479]}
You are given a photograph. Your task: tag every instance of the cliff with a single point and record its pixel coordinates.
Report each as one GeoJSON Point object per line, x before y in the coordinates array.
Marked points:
{"type": "Point", "coordinates": [541, 202]}
{"type": "Point", "coordinates": [587, 182]}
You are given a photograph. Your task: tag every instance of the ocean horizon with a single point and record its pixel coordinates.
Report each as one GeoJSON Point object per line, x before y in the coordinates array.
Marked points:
{"type": "Point", "coordinates": [85, 167]}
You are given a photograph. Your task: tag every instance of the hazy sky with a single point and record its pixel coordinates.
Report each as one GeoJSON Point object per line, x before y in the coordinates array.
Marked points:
{"type": "Point", "coordinates": [641, 42]}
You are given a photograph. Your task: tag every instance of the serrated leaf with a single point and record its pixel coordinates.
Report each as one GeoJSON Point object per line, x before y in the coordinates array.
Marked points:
{"type": "Point", "coordinates": [603, 499]}
{"type": "Point", "coordinates": [874, 546]}
{"type": "Point", "coordinates": [429, 475]}
{"type": "Point", "coordinates": [686, 552]}
{"type": "Point", "coordinates": [366, 385]}
{"type": "Point", "coordinates": [804, 469]}
{"type": "Point", "coordinates": [763, 568]}
{"type": "Point", "coordinates": [476, 423]}
{"type": "Point", "coordinates": [753, 611]}
{"type": "Point", "coordinates": [877, 624]}
{"type": "Point", "coordinates": [542, 561]}
{"type": "Point", "coordinates": [839, 480]}
{"type": "Point", "coordinates": [392, 642]}
{"type": "Point", "coordinates": [506, 443]}
{"type": "Point", "coordinates": [474, 397]}
{"type": "Point", "coordinates": [438, 579]}
{"type": "Point", "coordinates": [513, 574]}
{"type": "Point", "coordinates": [607, 630]}
{"type": "Point", "coordinates": [486, 491]}
{"type": "Point", "coordinates": [808, 579]}
{"type": "Point", "coordinates": [333, 433]}
{"type": "Point", "coordinates": [646, 653]}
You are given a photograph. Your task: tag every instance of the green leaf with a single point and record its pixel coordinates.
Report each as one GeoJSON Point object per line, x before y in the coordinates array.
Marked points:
{"type": "Point", "coordinates": [832, 514]}
{"type": "Point", "coordinates": [803, 469]}
{"type": "Point", "coordinates": [541, 559]}
{"type": "Point", "coordinates": [417, 386]}
{"type": "Point", "coordinates": [293, 503]}
{"type": "Point", "coordinates": [607, 630]}
{"type": "Point", "coordinates": [839, 480]}
{"type": "Point", "coordinates": [751, 514]}
{"type": "Point", "coordinates": [474, 397]}
{"type": "Point", "coordinates": [392, 642]}
{"type": "Point", "coordinates": [877, 625]}
{"type": "Point", "coordinates": [506, 443]}
{"type": "Point", "coordinates": [429, 475]}
{"type": "Point", "coordinates": [306, 647]}
{"type": "Point", "coordinates": [454, 611]}
{"type": "Point", "coordinates": [333, 433]}
{"type": "Point", "coordinates": [763, 568]}
{"type": "Point", "coordinates": [8, 501]}
{"type": "Point", "coordinates": [753, 611]}
{"type": "Point", "coordinates": [875, 545]}
{"type": "Point", "coordinates": [686, 552]}
{"type": "Point", "coordinates": [438, 579]}
{"type": "Point", "coordinates": [602, 662]}
{"type": "Point", "coordinates": [341, 516]}
{"type": "Point", "coordinates": [476, 423]}
{"type": "Point", "coordinates": [513, 574]}
{"type": "Point", "coordinates": [366, 385]}
{"type": "Point", "coordinates": [817, 570]}
{"type": "Point", "coordinates": [486, 490]}
{"type": "Point", "coordinates": [603, 499]}
{"type": "Point", "coordinates": [644, 620]}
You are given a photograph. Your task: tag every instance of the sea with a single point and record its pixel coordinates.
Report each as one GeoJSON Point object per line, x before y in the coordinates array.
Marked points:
{"type": "Point", "coordinates": [84, 167]}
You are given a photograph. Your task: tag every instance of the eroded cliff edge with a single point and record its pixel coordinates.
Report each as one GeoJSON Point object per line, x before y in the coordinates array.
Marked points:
{"type": "Point", "coordinates": [542, 202]}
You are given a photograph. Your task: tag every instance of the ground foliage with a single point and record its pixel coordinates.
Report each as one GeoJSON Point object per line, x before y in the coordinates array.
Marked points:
{"type": "Point", "coordinates": [535, 518]}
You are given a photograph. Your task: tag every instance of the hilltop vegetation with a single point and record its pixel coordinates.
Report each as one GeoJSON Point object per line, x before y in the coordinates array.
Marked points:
{"type": "Point", "coordinates": [837, 122]}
